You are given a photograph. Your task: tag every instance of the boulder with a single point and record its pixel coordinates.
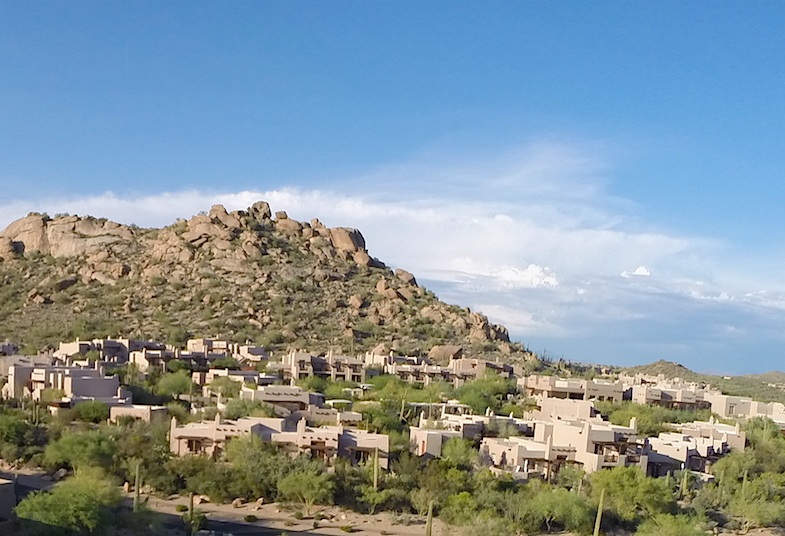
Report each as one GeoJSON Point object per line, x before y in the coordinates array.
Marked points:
{"type": "Point", "coordinates": [68, 236]}
{"type": "Point", "coordinates": [363, 259]}
{"type": "Point", "coordinates": [59, 475]}
{"type": "Point", "coordinates": [391, 294]}
{"type": "Point", "coordinates": [290, 227]}
{"type": "Point", "coordinates": [218, 214]}
{"type": "Point", "coordinates": [445, 352]}
{"type": "Point", "coordinates": [480, 333]}
{"type": "Point", "coordinates": [260, 211]}
{"type": "Point", "coordinates": [346, 239]}
{"type": "Point", "coordinates": [7, 250]}
{"type": "Point", "coordinates": [29, 231]}
{"type": "Point", "coordinates": [405, 276]}
{"type": "Point", "coordinates": [66, 282]}
{"type": "Point", "coordinates": [318, 242]}
{"type": "Point", "coordinates": [432, 313]}
{"type": "Point", "coordinates": [251, 250]}
{"type": "Point", "coordinates": [222, 245]}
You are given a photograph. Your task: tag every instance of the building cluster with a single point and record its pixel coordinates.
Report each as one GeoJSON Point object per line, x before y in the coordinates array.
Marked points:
{"type": "Point", "coordinates": [563, 429]}
{"type": "Point", "coordinates": [322, 442]}
{"type": "Point", "coordinates": [674, 393]}
{"type": "Point", "coordinates": [200, 353]}
{"type": "Point", "coordinates": [414, 370]}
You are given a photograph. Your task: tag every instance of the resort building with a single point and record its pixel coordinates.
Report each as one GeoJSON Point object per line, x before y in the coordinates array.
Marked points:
{"type": "Point", "coordinates": [209, 438]}
{"type": "Point", "coordinates": [575, 389]}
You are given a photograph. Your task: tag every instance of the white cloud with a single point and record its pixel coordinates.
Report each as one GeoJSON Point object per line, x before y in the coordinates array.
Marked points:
{"type": "Point", "coordinates": [531, 238]}
{"type": "Point", "coordinates": [640, 271]}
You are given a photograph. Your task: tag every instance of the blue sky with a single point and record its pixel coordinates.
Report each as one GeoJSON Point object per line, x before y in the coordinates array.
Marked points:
{"type": "Point", "coordinates": [604, 178]}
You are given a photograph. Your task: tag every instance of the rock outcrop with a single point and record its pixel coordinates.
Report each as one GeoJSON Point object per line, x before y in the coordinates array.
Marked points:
{"type": "Point", "coordinates": [67, 236]}
{"type": "Point", "coordinates": [239, 274]}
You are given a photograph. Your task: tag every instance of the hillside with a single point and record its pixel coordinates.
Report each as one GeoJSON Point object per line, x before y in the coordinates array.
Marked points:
{"type": "Point", "coordinates": [668, 368]}
{"type": "Point", "coordinates": [244, 275]}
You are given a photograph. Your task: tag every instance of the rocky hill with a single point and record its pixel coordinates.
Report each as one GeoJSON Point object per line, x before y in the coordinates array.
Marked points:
{"type": "Point", "coordinates": [244, 275]}
{"type": "Point", "coordinates": [667, 368]}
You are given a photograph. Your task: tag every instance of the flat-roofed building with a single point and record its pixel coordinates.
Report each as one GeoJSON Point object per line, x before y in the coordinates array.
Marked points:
{"type": "Point", "coordinates": [429, 441]}
{"type": "Point", "coordinates": [297, 365]}
{"type": "Point", "coordinates": [562, 408]}
{"type": "Point", "coordinates": [291, 397]}
{"type": "Point", "coordinates": [598, 444]}
{"type": "Point", "coordinates": [138, 411]}
{"type": "Point", "coordinates": [576, 389]}
{"type": "Point", "coordinates": [465, 369]}
{"type": "Point", "coordinates": [209, 438]}
{"type": "Point", "coordinates": [526, 458]}
{"type": "Point", "coordinates": [71, 384]}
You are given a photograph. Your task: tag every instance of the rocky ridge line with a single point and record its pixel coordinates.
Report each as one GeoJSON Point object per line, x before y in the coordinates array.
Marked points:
{"type": "Point", "coordinates": [252, 270]}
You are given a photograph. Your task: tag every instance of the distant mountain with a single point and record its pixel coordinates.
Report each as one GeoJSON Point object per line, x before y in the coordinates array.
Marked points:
{"type": "Point", "coordinates": [243, 275]}
{"type": "Point", "coordinates": [667, 368]}
{"type": "Point", "coordinates": [774, 377]}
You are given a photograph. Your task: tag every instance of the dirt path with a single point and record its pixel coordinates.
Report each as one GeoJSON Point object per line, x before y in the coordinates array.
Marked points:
{"type": "Point", "coordinates": [275, 518]}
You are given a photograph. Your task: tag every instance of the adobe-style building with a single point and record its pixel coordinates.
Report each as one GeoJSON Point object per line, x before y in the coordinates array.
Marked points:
{"type": "Point", "coordinates": [734, 407]}
{"type": "Point", "coordinates": [243, 377]}
{"type": "Point", "coordinates": [209, 438]}
{"type": "Point", "coordinates": [418, 371]}
{"type": "Point", "coordinates": [429, 436]}
{"type": "Point", "coordinates": [290, 397]}
{"type": "Point", "coordinates": [138, 411]}
{"type": "Point", "coordinates": [695, 446]}
{"type": "Point", "coordinates": [73, 384]}
{"type": "Point", "coordinates": [673, 393]}
{"type": "Point", "coordinates": [319, 416]}
{"type": "Point", "coordinates": [329, 442]}
{"type": "Point", "coordinates": [109, 350]}
{"type": "Point", "coordinates": [562, 408]}
{"type": "Point", "coordinates": [297, 365]}
{"type": "Point", "coordinates": [594, 444]}
{"type": "Point", "coordinates": [422, 371]}
{"type": "Point", "coordinates": [428, 442]}
{"type": "Point", "coordinates": [526, 458]}
{"type": "Point", "coordinates": [574, 389]}
{"type": "Point", "coordinates": [465, 369]}
{"type": "Point", "coordinates": [215, 348]}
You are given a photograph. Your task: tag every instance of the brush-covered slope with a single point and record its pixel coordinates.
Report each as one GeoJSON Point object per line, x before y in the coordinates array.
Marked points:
{"type": "Point", "coordinates": [244, 275]}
